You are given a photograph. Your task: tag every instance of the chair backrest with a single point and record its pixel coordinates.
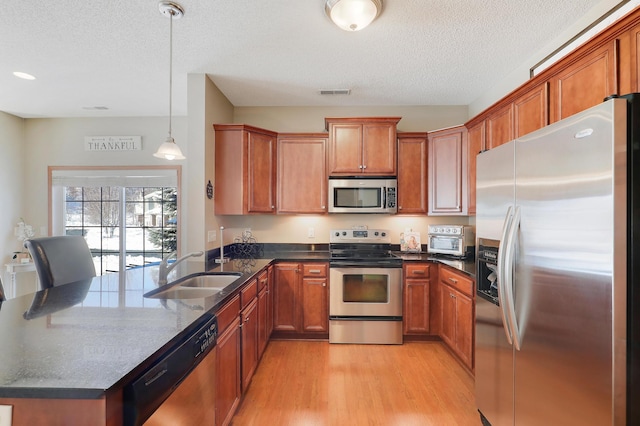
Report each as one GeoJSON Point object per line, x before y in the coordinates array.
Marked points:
{"type": "Point", "coordinates": [61, 260]}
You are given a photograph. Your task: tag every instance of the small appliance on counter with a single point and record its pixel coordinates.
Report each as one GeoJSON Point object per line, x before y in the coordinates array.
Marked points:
{"type": "Point", "coordinates": [454, 240]}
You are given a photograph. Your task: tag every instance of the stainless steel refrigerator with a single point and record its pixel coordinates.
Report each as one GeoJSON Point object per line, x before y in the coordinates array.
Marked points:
{"type": "Point", "coordinates": [557, 303]}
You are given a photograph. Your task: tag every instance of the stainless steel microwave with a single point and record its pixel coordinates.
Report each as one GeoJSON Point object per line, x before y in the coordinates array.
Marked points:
{"type": "Point", "coordinates": [363, 195]}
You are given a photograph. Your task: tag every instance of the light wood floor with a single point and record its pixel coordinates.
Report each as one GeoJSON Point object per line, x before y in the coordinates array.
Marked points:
{"type": "Point", "coordinates": [315, 384]}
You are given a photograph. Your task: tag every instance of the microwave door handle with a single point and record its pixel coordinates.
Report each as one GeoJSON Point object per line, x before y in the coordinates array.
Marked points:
{"type": "Point", "coordinates": [384, 197]}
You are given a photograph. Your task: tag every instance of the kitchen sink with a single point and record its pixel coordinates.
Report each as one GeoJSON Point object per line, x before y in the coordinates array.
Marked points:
{"type": "Point", "coordinates": [209, 281]}
{"type": "Point", "coordinates": [195, 286]}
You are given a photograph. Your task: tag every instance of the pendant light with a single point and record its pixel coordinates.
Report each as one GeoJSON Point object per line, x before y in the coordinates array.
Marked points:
{"type": "Point", "coordinates": [353, 15]}
{"type": "Point", "coordinates": [169, 150]}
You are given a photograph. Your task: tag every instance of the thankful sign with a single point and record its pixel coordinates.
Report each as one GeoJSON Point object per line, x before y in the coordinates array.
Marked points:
{"type": "Point", "coordinates": [112, 143]}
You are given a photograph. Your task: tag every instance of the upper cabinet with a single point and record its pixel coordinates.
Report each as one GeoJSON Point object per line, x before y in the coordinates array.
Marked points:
{"type": "Point", "coordinates": [447, 160]}
{"type": "Point", "coordinates": [302, 173]}
{"type": "Point", "coordinates": [531, 110]}
{"type": "Point", "coordinates": [475, 145]}
{"type": "Point", "coordinates": [245, 174]}
{"type": "Point", "coordinates": [500, 127]}
{"type": "Point", "coordinates": [412, 173]}
{"type": "Point", "coordinates": [362, 146]}
{"type": "Point", "coordinates": [584, 82]}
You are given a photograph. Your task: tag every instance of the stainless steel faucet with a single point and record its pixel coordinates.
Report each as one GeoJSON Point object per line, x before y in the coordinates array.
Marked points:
{"type": "Point", "coordinates": [165, 268]}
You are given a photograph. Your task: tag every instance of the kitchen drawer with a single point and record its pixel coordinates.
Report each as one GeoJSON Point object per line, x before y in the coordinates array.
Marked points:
{"type": "Point", "coordinates": [248, 293]}
{"type": "Point", "coordinates": [417, 270]}
{"type": "Point", "coordinates": [263, 279]}
{"type": "Point", "coordinates": [228, 313]}
{"type": "Point", "coordinates": [314, 269]}
{"type": "Point", "coordinates": [456, 280]}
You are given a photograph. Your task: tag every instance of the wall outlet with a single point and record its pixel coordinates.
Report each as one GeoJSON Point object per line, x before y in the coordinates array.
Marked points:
{"type": "Point", "coordinates": [311, 233]}
{"type": "Point", "coordinates": [5, 415]}
{"type": "Point", "coordinates": [211, 236]}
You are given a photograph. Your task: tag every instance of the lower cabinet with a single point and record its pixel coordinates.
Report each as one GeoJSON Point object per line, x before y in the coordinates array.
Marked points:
{"type": "Point", "coordinates": [265, 311]}
{"type": "Point", "coordinates": [457, 308]}
{"type": "Point", "coordinates": [416, 307]}
{"type": "Point", "coordinates": [227, 377]}
{"type": "Point", "coordinates": [249, 325]}
{"type": "Point", "coordinates": [301, 298]}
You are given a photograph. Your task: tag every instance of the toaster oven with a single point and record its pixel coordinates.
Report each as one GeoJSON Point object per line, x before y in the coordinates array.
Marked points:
{"type": "Point", "coordinates": [453, 240]}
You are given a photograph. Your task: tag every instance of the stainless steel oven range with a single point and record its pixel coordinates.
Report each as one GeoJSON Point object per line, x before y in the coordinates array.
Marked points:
{"type": "Point", "coordinates": [365, 297]}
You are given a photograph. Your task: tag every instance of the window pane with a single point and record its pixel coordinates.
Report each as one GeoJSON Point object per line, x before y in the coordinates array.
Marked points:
{"type": "Point", "coordinates": [135, 214]}
{"type": "Point", "coordinates": [73, 193]}
{"type": "Point", "coordinates": [92, 213]}
{"type": "Point", "coordinates": [110, 193]}
{"type": "Point", "coordinates": [134, 194]}
{"type": "Point", "coordinates": [73, 211]}
{"type": "Point", "coordinates": [92, 193]}
{"type": "Point", "coordinates": [111, 215]}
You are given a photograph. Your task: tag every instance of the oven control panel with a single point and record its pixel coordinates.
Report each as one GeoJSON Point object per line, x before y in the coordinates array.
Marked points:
{"type": "Point", "coordinates": [359, 236]}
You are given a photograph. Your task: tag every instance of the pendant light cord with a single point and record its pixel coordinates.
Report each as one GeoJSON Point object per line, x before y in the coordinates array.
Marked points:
{"type": "Point", "coordinates": [170, 66]}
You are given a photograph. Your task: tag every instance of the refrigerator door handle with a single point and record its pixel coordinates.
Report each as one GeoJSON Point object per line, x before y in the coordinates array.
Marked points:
{"type": "Point", "coordinates": [509, 259]}
{"type": "Point", "coordinates": [500, 272]}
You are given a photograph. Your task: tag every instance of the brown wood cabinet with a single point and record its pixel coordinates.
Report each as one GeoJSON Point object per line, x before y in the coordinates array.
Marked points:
{"type": "Point", "coordinates": [457, 307]}
{"type": "Point", "coordinates": [302, 173]}
{"type": "Point", "coordinates": [362, 146]}
{"type": "Point", "coordinates": [265, 311]}
{"type": "Point", "coordinates": [500, 127]}
{"type": "Point", "coordinates": [416, 312]}
{"type": "Point", "coordinates": [228, 377]}
{"type": "Point", "coordinates": [245, 174]}
{"type": "Point", "coordinates": [412, 173]}
{"type": "Point", "coordinates": [315, 298]}
{"type": "Point", "coordinates": [249, 325]}
{"type": "Point", "coordinates": [301, 298]}
{"type": "Point", "coordinates": [584, 82]}
{"type": "Point", "coordinates": [448, 171]}
{"type": "Point", "coordinates": [531, 110]}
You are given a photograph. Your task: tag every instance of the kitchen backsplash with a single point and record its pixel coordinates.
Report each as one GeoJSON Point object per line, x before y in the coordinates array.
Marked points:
{"type": "Point", "coordinates": [315, 229]}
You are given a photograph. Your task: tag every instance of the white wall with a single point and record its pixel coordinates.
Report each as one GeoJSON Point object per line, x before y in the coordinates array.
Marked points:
{"type": "Point", "coordinates": [311, 119]}
{"type": "Point", "coordinates": [12, 184]}
{"type": "Point", "coordinates": [60, 142]}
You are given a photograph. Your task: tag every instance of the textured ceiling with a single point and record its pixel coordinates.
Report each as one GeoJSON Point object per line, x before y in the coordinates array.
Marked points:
{"type": "Point", "coordinates": [115, 53]}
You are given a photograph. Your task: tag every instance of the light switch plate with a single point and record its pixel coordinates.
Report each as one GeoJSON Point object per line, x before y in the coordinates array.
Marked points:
{"type": "Point", "coordinates": [311, 233]}
{"type": "Point", "coordinates": [6, 412]}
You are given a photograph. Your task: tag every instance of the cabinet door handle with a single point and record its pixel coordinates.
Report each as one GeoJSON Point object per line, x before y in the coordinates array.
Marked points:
{"type": "Point", "coordinates": [364, 167]}
{"type": "Point", "coordinates": [273, 207]}
{"type": "Point", "coordinates": [453, 296]}
{"type": "Point", "coordinates": [360, 166]}
{"type": "Point", "coordinates": [324, 284]}
{"type": "Point", "coordinates": [247, 319]}
{"type": "Point", "coordinates": [399, 207]}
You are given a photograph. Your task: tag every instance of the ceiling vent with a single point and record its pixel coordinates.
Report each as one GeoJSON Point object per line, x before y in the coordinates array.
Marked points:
{"type": "Point", "coordinates": [335, 92]}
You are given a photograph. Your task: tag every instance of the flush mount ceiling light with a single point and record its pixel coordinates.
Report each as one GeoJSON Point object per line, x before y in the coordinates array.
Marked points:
{"type": "Point", "coordinates": [169, 150]}
{"type": "Point", "coordinates": [23, 75]}
{"type": "Point", "coordinates": [353, 15]}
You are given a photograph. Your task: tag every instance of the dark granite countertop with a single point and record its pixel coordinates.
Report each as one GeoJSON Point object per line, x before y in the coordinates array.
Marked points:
{"type": "Point", "coordinates": [83, 339]}
{"type": "Point", "coordinates": [467, 266]}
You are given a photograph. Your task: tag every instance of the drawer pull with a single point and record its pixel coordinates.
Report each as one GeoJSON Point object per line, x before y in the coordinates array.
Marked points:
{"type": "Point", "coordinates": [314, 271]}
{"type": "Point", "coordinates": [418, 272]}
{"type": "Point", "coordinates": [453, 280]}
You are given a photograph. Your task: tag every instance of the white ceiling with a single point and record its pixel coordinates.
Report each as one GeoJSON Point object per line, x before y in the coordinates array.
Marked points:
{"type": "Point", "coordinates": [115, 53]}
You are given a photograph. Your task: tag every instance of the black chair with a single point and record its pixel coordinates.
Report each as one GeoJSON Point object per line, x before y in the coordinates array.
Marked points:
{"type": "Point", "coordinates": [61, 260]}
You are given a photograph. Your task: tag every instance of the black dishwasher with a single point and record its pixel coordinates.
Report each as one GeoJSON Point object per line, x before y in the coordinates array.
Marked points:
{"type": "Point", "coordinates": [147, 392]}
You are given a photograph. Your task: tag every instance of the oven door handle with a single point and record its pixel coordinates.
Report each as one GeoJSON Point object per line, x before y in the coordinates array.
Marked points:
{"type": "Point", "coordinates": [365, 264]}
